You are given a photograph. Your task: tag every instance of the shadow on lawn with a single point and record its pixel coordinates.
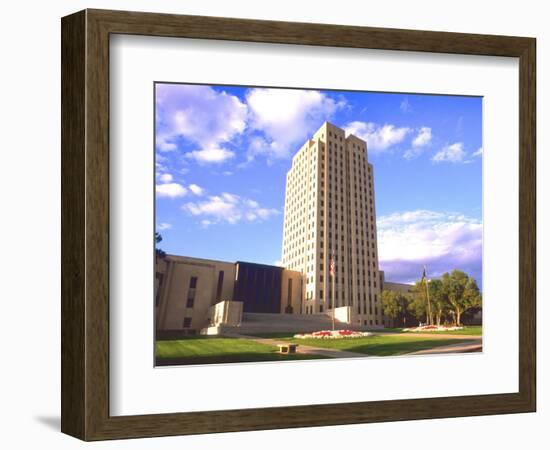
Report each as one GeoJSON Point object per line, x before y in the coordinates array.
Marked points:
{"type": "Point", "coordinates": [400, 348]}
{"type": "Point", "coordinates": [233, 358]}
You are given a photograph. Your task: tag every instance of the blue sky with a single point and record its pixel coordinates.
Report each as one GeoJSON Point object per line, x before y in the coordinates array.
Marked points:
{"type": "Point", "coordinates": [222, 154]}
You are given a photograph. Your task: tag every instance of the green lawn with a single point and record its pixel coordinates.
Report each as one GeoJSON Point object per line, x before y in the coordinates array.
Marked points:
{"type": "Point", "coordinates": [471, 330]}
{"type": "Point", "coordinates": [380, 345]}
{"type": "Point", "coordinates": [385, 330]}
{"type": "Point", "coordinates": [211, 350]}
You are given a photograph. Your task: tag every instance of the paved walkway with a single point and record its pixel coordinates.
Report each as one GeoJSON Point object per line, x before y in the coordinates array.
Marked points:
{"type": "Point", "coordinates": [464, 347]}
{"type": "Point", "coordinates": [474, 344]}
{"type": "Point", "coordinates": [306, 349]}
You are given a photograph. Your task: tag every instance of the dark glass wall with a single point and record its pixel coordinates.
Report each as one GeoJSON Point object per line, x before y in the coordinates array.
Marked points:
{"type": "Point", "coordinates": [258, 286]}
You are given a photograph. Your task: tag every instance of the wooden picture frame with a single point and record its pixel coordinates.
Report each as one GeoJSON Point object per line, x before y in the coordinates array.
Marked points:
{"type": "Point", "coordinates": [85, 224]}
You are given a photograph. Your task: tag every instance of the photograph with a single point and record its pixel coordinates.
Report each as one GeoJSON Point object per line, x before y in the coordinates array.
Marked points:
{"type": "Point", "coordinates": [284, 203]}
{"type": "Point", "coordinates": [301, 223]}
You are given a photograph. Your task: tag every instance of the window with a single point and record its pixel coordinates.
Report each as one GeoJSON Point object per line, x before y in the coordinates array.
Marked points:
{"type": "Point", "coordinates": [220, 286]}
{"type": "Point", "coordinates": [191, 292]}
{"type": "Point", "coordinates": [187, 322]}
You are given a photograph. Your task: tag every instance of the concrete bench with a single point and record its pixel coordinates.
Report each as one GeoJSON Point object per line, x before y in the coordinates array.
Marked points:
{"type": "Point", "coordinates": [287, 348]}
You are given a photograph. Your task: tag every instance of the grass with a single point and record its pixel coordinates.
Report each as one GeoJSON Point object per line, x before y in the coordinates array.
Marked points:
{"type": "Point", "coordinates": [470, 330]}
{"type": "Point", "coordinates": [216, 349]}
{"type": "Point", "coordinates": [385, 330]}
{"type": "Point", "coordinates": [380, 345]}
{"type": "Point", "coordinates": [212, 350]}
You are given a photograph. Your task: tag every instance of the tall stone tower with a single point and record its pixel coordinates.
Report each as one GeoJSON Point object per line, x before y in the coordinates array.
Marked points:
{"type": "Point", "coordinates": [330, 215]}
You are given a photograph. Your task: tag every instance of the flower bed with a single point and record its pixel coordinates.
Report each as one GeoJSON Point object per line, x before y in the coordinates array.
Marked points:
{"type": "Point", "coordinates": [336, 334]}
{"type": "Point", "coordinates": [431, 328]}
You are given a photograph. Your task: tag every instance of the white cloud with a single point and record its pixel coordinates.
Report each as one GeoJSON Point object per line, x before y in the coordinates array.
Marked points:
{"type": "Point", "coordinates": [286, 117]}
{"type": "Point", "coordinates": [211, 155]}
{"type": "Point", "coordinates": [170, 190]}
{"type": "Point", "coordinates": [195, 189]}
{"type": "Point", "coordinates": [453, 153]}
{"type": "Point", "coordinates": [201, 115]}
{"type": "Point", "coordinates": [405, 105]}
{"type": "Point", "coordinates": [160, 168]}
{"type": "Point", "coordinates": [412, 153]}
{"type": "Point", "coordinates": [378, 137]}
{"type": "Point", "coordinates": [166, 178]}
{"type": "Point", "coordinates": [423, 138]}
{"type": "Point", "coordinates": [160, 158]}
{"type": "Point", "coordinates": [164, 146]}
{"type": "Point", "coordinates": [278, 263]}
{"type": "Point", "coordinates": [229, 208]}
{"type": "Point", "coordinates": [164, 226]}
{"type": "Point", "coordinates": [442, 241]}
{"type": "Point", "coordinates": [257, 145]}
{"type": "Point", "coordinates": [478, 152]}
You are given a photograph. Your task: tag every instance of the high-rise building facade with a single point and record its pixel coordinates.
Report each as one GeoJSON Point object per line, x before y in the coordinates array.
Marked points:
{"type": "Point", "coordinates": [330, 215]}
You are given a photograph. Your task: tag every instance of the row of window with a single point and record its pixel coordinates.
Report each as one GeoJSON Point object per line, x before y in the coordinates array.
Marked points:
{"type": "Point", "coordinates": [336, 296]}
{"type": "Point", "coordinates": [297, 209]}
{"type": "Point", "coordinates": [295, 236]}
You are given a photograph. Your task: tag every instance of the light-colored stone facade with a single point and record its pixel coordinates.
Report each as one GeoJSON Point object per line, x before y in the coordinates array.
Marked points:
{"type": "Point", "coordinates": [291, 292]}
{"type": "Point", "coordinates": [195, 294]}
{"type": "Point", "coordinates": [186, 288]}
{"type": "Point", "coordinates": [330, 213]}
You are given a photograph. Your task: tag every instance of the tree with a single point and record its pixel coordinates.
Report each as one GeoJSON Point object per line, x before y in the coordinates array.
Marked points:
{"type": "Point", "coordinates": [395, 305]}
{"type": "Point", "coordinates": [417, 305]}
{"type": "Point", "coordinates": [439, 302]}
{"type": "Point", "coordinates": [472, 294]}
{"type": "Point", "coordinates": [461, 292]}
{"type": "Point", "coordinates": [158, 239]}
{"type": "Point", "coordinates": [390, 304]}
{"type": "Point", "coordinates": [451, 296]}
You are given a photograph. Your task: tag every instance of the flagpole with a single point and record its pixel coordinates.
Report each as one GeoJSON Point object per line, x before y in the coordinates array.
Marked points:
{"type": "Point", "coordinates": [428, 297]}
{"type": "Point", "coordinates": [333, 303]}
{"type": "Point", "coordinates": [332, 271]}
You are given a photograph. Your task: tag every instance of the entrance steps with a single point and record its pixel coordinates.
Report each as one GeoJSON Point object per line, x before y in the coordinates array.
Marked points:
{"type": "Point", "coordinates": [259, 323]}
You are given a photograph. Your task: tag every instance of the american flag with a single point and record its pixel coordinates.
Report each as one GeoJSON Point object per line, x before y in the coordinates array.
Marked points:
{"type": "Point", "coordinates": [424, 276]}
{"type": "Point", "coordinates": [332, 266]}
